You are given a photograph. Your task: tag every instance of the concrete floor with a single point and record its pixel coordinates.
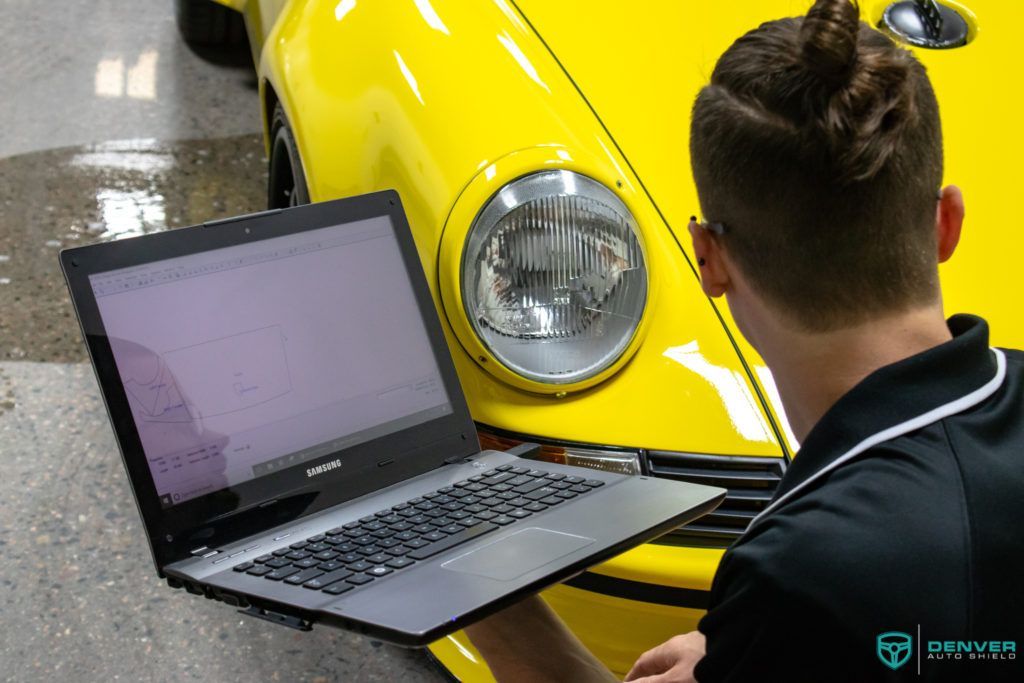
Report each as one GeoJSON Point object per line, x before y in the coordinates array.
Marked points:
{"type": "Point", "coordinates": [114, 128]}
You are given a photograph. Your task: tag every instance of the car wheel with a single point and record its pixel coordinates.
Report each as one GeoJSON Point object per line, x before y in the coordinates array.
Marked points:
{"type": "Point", "coordinates": [206, 23]}
{"type": "Point", "coordinates": [286, 183]}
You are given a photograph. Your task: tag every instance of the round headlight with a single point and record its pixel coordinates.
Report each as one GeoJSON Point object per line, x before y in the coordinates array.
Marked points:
{"type": "Point", "coordinates": [553, 277]}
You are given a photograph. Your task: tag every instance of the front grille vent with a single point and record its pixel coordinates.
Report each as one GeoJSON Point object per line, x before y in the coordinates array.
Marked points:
{"type": "Point", "coordinates": [751, 483]}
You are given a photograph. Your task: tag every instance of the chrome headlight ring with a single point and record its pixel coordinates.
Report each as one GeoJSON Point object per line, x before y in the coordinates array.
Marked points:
{"type": "Point", "coordinates": [553, 277]}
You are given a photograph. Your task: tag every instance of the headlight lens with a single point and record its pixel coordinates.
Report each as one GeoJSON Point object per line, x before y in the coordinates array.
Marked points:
{"type": "Point", "coordinates": [553, 277]}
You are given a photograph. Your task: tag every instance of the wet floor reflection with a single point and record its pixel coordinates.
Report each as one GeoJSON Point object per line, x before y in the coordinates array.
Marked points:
{"type": "Point", "coordinates": [78, 195]}
{"type": "Point", "coordinates": [76, 568]}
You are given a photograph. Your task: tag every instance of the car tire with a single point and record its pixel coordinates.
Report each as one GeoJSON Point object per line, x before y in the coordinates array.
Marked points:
{"type": "Point", "coordinates": [286, 182]}
{"type": "Point", "coordinates": [205, 23]}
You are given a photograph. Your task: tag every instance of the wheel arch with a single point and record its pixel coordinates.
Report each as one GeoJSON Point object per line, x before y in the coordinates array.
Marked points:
{"type": "Point", "coordinates": [268, 101]}
{"type": "Point", "coordinates": [433, 101]}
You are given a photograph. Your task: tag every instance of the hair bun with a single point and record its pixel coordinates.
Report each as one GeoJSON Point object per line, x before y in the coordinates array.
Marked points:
{"type": "Point", "coordinates": [829, 39]}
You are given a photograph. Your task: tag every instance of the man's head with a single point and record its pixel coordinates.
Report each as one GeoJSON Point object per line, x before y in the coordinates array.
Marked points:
{"type": "Point", "coordinates": [817, 145]}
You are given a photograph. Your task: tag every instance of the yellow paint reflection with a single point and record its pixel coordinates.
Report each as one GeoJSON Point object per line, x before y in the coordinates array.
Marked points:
{"type": "Point", "coordinates": [343, 8]}
{"type": "Point", "coordinates": [739, 401]}
{"type": "Point", "coordinates": [409, 78]}
{"type": "Point", "coordinates": [462, 649]}
{"type": "Point", "coordinates": [610, 157]}
{"type": "Point", "coordinates": [524, 62]}
{"type": "Point", "coordinates": [511, 14]}
{"type": "Point", "coordinates": [430, 16]}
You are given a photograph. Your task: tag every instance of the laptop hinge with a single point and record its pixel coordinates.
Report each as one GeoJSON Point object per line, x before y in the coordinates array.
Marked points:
{"type": "Point", "coordinates": [527, 450]}
{"type": "Point", "coordinates": [523, 450]}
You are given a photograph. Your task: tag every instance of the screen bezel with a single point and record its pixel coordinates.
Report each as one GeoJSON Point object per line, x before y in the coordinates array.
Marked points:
{"type": "Point", "coordinates": [258, 504]}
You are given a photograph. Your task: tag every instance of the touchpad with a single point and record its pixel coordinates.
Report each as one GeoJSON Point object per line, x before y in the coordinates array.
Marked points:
{"type": "Point", "coordinates": [512, 556]}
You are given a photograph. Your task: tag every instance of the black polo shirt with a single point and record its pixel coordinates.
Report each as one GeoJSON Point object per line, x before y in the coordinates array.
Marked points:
{"type": "Point", "coordinates": [896, 536]}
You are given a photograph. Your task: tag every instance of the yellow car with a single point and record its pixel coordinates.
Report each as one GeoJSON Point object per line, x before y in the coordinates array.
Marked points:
{"type": "Point", "coordinates": [540, 149]}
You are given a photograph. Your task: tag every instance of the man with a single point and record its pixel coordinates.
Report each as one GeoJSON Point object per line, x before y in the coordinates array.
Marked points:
{"type": "Point", "coordinates": [817, 154]}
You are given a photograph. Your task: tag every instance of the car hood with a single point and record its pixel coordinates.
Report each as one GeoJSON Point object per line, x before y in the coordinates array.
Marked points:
{"type": "Point", "coordinates": [640, 67]}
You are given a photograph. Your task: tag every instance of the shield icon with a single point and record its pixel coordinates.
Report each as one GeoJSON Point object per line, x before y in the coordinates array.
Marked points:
{"type": "Point", "coordinates": [894, 648]}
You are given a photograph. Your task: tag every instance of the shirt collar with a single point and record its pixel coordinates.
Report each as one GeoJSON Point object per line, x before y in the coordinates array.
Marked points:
{"type": "Point", "coordinates": [895, 394]}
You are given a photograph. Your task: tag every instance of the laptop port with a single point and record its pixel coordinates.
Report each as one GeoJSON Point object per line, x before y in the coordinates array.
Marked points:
{"type": "Point", "coordinates": [276, 618]}
{"type": "Point", "coordinates": [231, 599]}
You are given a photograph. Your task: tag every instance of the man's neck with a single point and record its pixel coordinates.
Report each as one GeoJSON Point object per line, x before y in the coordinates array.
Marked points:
{"type": "Point", "coordinates": [812, 371]}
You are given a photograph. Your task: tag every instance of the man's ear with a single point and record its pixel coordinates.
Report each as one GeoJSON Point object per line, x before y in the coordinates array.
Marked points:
{"type": "Point", "coordinates": [714, 275]}
{"type": "Point", "coordinates": [949, 220]}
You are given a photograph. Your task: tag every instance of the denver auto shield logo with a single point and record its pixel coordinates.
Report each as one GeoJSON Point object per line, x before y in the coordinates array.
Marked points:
{"type": "Point", "coordinates": [894, 648]}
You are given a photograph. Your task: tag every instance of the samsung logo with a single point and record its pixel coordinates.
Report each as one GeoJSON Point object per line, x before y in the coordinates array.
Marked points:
{"type": "Point", "coordinates": [325, 467]}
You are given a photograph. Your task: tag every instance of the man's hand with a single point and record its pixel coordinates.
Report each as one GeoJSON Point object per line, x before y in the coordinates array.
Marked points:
{"type": "Point", "coordinates": [670, 662]}
{"type": "Point", "coordinates": [528, 643]}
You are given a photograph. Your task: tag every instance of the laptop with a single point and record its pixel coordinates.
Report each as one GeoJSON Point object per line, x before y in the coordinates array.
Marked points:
{"type": "Point", "coordinates": [297, 441]}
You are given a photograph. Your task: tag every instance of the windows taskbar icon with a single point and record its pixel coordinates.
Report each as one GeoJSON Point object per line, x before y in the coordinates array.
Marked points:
{"type": "Point", "coordinates": [167, 499]}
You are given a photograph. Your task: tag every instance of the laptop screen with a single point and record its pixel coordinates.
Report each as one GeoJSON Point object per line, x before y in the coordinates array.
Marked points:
{"type": "Point", "coordinates": [242, 361]}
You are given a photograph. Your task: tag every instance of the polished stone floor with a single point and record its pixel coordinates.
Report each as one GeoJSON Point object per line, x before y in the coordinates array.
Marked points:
{"type": "Point", "coordinates": [69, 196]}
{"type": "Point", "coordinates": [94, 70]}
{"type": "Point", "coordinates": [115, 129]}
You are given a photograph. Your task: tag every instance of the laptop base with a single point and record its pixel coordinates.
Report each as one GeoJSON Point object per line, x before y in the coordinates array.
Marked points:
{"type": "Point", "coordinates": [441, 592]}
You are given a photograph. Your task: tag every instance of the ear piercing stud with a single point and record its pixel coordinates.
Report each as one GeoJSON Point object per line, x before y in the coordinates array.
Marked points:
{"type": "Point", "coordinates": [700, 261]}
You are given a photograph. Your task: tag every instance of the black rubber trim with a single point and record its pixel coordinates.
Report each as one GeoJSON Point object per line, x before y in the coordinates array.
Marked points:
{"type": "Point", "coordinates": [641, 591]}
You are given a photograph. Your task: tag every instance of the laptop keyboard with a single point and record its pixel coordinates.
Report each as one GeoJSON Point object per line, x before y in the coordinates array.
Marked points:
{"type": "Point", "coordinates": [377, 545]}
